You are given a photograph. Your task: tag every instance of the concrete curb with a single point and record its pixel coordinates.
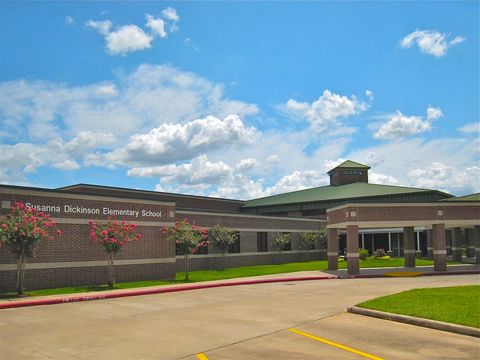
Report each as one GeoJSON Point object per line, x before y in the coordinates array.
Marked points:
{"type": "Point", "coordinates": [161, 290]}
{"type": "Point", "coordinates": [145, 291]}
{"type": "Point", "coordinates": [432, 324]}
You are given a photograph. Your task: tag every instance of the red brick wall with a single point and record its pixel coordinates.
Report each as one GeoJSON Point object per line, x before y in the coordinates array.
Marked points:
{"type": "Point", "coordinates": [340, 177]}
{"type": "Point", "coordinates": [75, 246]}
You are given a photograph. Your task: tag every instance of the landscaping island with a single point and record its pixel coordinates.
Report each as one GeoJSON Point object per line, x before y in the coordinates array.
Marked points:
{"type": "Point", "coordinates": [457, 304]}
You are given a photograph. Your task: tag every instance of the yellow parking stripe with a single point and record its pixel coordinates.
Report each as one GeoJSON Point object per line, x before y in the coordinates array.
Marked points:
{"type": "Point", "coordinates": [340, 346]}
{"type": "Point", "coordinates": [201, 356]}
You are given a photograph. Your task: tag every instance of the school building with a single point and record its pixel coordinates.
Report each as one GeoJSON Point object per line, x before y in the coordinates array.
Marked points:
{"type": "Point", "coordinates": [402, 220]}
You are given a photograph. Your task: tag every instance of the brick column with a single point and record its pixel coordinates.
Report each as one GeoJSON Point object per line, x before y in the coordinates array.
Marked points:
{"type": "Point", "coordinates": [409, 246]}
{"type": "Point", "coordinates": [457, 244]}
{"type": "Point", "coordinates": [352, 250]}
{"type": "Point", "coordinates": [439, 250]}
{"type": "Point", "coordinates": [448, 242]}
{"type": "Point", "coordinates": [469, 240]}
{"type": "Point", "coordinates": [476, 242]}
{"type": "Point", "coordinates": [429, 244]}
{"type": "Point", "coordinates": [332, 249]}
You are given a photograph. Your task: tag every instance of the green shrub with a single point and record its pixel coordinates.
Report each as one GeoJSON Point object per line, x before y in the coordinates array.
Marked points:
{"type": "Point", "coordinates": [281, 241]}
{"type": "Point", "coordinates": [363, 254]}
{"type": "Point", "coordinates": [307, 241]}
{"type": "Point", "coordinates": [379, 253]}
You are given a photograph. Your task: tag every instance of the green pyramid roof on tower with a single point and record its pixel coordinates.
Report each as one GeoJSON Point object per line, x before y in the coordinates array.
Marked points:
{"type": "Point", "coordinates": [349, 164]}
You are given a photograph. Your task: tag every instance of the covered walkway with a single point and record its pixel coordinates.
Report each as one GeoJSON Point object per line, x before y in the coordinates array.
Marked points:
{"type": "Point", "coordinates": [438, 217]}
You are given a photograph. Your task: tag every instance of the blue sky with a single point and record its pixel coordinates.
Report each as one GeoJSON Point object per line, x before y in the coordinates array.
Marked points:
{"type": "Point", "coordinates": [239, 99]}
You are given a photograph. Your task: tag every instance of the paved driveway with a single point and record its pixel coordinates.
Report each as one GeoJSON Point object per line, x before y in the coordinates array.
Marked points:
{"type": "Point", "coordinates": [242, 322]}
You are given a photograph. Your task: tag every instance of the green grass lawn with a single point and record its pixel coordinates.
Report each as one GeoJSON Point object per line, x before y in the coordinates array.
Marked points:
{"type": "Point", "coordinates": [456, 304]}
{"type": "Point", "coordinates": [230, 273]}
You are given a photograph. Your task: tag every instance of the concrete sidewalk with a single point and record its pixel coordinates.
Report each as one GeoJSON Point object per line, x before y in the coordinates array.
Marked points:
{"type": "Point", "coordinates": [422, 270]}
{"type": "Point", "coordinates": [262, 279]}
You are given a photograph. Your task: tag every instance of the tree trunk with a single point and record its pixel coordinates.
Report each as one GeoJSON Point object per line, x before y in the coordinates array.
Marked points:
{"type": "Point", "coordinates": [224, 259]}
{"type": "Point", "coordinates": [186, 265]}
{"type": "Point", "coordinates": [20, 274]}
{"type": "Point", "coordinates": [111, 270]}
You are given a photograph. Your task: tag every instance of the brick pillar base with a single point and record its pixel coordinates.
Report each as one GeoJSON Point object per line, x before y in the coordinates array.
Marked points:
{"type": "Point", "coordinates": [332, 249]}
{"type": "Point", "coordinates": [439, 250]}
{"type": "Point", "coordinates": [353, 260]}
{"type": "Point", "coordinates": [409, 246]}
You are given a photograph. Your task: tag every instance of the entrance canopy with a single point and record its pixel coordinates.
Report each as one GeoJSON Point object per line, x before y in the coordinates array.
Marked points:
{"type": "Point", "coordinates": [404, 215]}
{"type": "Point", "coordinates": [436, 216]}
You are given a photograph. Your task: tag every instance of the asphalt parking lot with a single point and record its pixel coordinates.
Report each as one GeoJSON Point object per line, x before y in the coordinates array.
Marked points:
{"type": "Point", "coordinates": [241, 322]}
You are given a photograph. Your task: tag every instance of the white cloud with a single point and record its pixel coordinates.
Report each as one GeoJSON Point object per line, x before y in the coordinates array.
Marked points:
{"type": "Point", "coordinates": [430, 42]}
{"type": "Point", "coordinates": [107, 90]}
{"type": "Point", "coordinates": [126, 39]}
{"type": "Point", "coordinates": [157, 26]}
{"type": "Point", "coordinates": [170, 14]}
{"type": "Point", "coordinates": [136, 102]}
{"type": "Point", "coordinates": [298, 180]}
{"type": "Point", "coordinates": [273, 160]}
{"type": "Point", "coordinates": [69, 20]}
{"type": "Point", "coordinates": [199, 171]}
{"type": "Point", "coordinates": [325, 113]}
{"type": "Point", "coordinates": [246, 164]}
{"type": "Point", "coordinates": [86, 141]}
{"type": "Point", "coordinates": [376, 178]}
{"type": "Point", "coordinates": [402, 157]}
{"type": "Point", "coordinates": [400, 125]}
{"type": "Point", "coordinates": [20, 159]}
{"type": "Point", "coordinates": [130, 37]}
{"type": "Point", "coordinates": [173, 142]}
{"type": "Point", "coordinates": [441, 176]}
{"type": "Point", "coordinates": [373, 159]}
{"type": "Point", "coordinates": [103, 27]}
{"type": "Point", "coordinates": [434, 113]}
{"type": "Point", "coordinates": [470, 128]}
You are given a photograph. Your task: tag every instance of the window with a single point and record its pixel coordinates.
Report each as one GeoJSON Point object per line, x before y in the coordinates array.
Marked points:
{"type": "Point", "coordinates": [353, 172]}
{"type": "Point", "coordinates": [235, 247]}
{"type": "Point", "coordinates": [262, 241]}
{"type": "Point", "coordinates": [288, 247]}
{"type": "Point", "coordinates": [178, 249]}
{"type": "Point", "coordinates": [200, 251]}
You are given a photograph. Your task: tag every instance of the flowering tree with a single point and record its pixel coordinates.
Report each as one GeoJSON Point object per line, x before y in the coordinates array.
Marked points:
{"type": "Point", "coordinates": [21, 230]}
{"type": "Point", "coordinates": [189, 237]}
{"type": "Point", "coordinates": [113, 235]}
{"type": "Point", "coordinates": [223, 238]}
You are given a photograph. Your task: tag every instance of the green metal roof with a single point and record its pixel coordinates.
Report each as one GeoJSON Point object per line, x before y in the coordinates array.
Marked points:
{"type": "Point", "coordinates": [349, 164]}
{"type": "Point", "coordinates": [327, 193]}
{"type": "Point", "coordinates": [471, 197]}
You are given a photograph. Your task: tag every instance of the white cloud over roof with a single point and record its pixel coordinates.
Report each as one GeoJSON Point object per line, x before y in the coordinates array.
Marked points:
{"type": "Point", "coordinates": [430, 42]}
